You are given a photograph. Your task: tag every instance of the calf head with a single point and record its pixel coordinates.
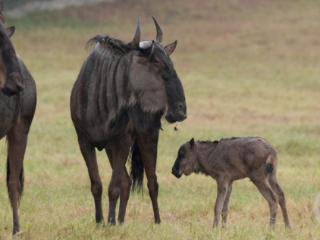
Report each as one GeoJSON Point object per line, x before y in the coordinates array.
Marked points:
{"type": "Point", "coordinates": [187, 160]}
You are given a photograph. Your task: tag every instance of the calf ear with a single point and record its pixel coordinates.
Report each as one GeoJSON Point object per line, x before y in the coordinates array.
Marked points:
{"type": "Point", "coordinates": [191, 142]}
{"type": "Point", "coordinates": [171, 47]}
{"type": "Point", "coordinates": [10, 31]}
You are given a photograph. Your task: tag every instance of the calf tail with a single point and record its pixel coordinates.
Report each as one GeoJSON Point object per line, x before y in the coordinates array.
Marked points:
{"type": "Point", "coordinates": [271, 164]}
{"type": "Point", "coordinates": [137, 168]}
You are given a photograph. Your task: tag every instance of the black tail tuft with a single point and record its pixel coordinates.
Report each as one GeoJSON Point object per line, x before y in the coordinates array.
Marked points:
{"type": "Point", "coordinates": [137, 168]}
{"type": "Point", "coordinates": [21, 179]}
{"type": "Point", "coordinates": [269, 168]}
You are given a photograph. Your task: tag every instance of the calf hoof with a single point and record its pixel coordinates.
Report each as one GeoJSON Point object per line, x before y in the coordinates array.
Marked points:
{"type": "Point", "coordinates": [288, 227]}
{"type": "Point", "coordinates": [157, 221]}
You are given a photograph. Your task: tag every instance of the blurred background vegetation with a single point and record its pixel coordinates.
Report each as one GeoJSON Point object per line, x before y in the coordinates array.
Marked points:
{"type": "Point", "coordinates": [249, 67]}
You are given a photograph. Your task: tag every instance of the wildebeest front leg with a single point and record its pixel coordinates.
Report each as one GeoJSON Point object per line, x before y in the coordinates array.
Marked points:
{"type": "Point", "coordinates": [223, 187]}
{"type": "Point", "coordinates": [148, 145]}
{"type": "Point", "coordinates": [89, 155]}
{"type": "Point", "coordinates": [17, 142]}
{"type": "Point", "coordinates": [118, 152]}
{"type": "Point", "coordinates": [226, 207]}
{"type": "Point", "coordinates": [125, 189]}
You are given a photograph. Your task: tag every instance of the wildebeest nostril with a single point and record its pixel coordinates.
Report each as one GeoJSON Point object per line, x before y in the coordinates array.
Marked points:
{"type": "Point", "coordinates": [180, 106]}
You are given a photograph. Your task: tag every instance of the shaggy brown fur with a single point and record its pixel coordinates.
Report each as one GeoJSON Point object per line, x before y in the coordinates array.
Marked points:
{"type": "Point", "coordinates": [231, 159]}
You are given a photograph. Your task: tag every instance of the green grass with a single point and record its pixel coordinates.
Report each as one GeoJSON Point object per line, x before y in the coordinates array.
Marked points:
{"type": "Point", "coordinates": [248, 67]}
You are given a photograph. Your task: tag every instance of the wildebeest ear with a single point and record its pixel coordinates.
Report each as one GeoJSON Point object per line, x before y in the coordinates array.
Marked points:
{"type": "Point", "coordinates": [191, 142]}
{"type": "Point", "coordinates": [171, 47]}
{"type": "Point", "coordinates": [10, 31]}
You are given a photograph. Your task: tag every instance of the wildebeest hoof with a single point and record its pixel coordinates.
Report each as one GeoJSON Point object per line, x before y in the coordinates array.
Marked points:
{"type": "Point", "coordinates": [112, 223]}
{"type": "Point", "coordinates": [17, 234]}
{"type": "Point", "coordinates": [100, 224]}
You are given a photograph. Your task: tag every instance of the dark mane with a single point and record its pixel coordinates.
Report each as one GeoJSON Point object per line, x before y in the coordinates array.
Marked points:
{"type": "Point", "coordinates": [115, 45]}
{"type": "Point", "coordinates": [215, 142]}
{"type": "Point", "coordinates": [209, 142]}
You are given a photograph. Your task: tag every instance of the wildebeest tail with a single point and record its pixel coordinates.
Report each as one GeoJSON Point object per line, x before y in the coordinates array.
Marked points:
{"type": "Point", "coordinates": [21, 178]}
{"type": "Point", "coordinates": [137, 168]}
{"type": "Point", "coordinates": [270, 164]}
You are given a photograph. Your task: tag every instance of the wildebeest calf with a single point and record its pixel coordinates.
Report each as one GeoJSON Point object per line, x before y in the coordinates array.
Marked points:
{"type": "Point", "coordinates": [231, 159]}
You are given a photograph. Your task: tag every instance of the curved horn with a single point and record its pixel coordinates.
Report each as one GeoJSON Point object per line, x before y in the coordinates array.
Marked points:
{"type": "Point", "coordinates": [1, 11]}
{"type": "Point", "coordinates": [159, 31]}
{"type": "Point", "coordinates": [136, 38]}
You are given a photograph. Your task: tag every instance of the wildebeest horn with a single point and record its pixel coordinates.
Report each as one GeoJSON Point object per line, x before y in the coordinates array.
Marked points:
{"type": "Point", "coordinates": [136, 38]}
{"type": "Point", "coordinates": [2, 20]}
{"type": "Point", "coordinates": [159, 31]}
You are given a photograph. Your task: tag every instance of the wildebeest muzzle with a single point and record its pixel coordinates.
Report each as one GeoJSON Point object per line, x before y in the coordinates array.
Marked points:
{"type": "Point", "coordinates": [178, 114]}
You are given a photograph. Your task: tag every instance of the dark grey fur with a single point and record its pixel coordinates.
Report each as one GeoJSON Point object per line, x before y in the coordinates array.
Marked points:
{"type": "Point", "coordinates": [117, 103]}
{"type": "Point", "coordinates": [17, 107]}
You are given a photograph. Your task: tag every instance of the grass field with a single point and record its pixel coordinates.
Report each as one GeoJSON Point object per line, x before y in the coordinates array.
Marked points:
{"type": "Point", "coordinates": [248, 67]}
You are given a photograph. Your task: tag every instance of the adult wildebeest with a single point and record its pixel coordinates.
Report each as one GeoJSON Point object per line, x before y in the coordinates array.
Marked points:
{"type": "Point", "coordinates": [17, 106]}
{"type": "Point", "coordinates": [231, 159]}
{"type": "Point", "coordinates": [117, 102]}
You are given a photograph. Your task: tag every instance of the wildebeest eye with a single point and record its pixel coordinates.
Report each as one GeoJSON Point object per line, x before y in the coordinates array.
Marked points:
{"type": "Point", "coordinates": [165, 76]}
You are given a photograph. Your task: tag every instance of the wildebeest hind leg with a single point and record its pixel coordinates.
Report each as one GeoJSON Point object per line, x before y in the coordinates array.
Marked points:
{"type": "Point", "coordinates": [89, 155]}
{"type": "Point", "coordinates": [17, 142]}
{"type": "Point", "coordinates": [125, 190]}
{"type": "Point", "coordinates": [148, 144]}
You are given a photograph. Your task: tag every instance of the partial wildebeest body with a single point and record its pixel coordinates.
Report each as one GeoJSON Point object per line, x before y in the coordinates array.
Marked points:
{"type": "Point", "coordinates": [231, 159]}
{"type": "Point", "coordinates": [17, 106]}
{"type": "Point", "coordinates": [117, 103]}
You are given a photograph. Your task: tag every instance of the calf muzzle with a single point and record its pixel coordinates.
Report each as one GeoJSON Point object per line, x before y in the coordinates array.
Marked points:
{"type": "Point", "coordinates": [175, 172]}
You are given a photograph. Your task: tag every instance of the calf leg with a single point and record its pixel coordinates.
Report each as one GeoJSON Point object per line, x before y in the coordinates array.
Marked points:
{"type": "Point", "coordinates": [17, 142]}
{"type": "Point", "coordinates": [282, 201]}
{"type": "Point", "coordinates": [226, 206]}
{"type": "Point", "coordinates": [148, 144]}
{"type": "Point", "coordinates": [268, 194]}
{"type": "Point", "coordinates": [223, 188]}
{"type": "Point", "coordinates": [89, 155]}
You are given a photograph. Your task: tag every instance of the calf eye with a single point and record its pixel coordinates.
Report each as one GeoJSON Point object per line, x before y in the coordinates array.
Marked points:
{"type": "Point", "coordinates": [181, 154]}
